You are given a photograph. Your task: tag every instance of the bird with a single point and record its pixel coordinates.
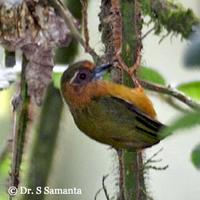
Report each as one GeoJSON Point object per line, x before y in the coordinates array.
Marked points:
{"type": "Point", "coordinates": [108, 112]}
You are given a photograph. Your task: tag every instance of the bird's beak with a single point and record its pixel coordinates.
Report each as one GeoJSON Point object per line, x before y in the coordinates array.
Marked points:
{"type": "Point", "coordinates": [99, 71]}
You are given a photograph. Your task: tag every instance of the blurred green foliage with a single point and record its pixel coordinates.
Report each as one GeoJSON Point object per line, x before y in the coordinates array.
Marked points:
{"type": "Point", "coordinates": [4, 171]}
{"type": "Point", "coordinates": [188, 120]}
{"type": "Point", "coordinates": [6, 127]}
{"type": "Point", "coordinates": [170, 16]}
{"type": "Point", "coordinates": [66, 54]}
{"type": "Point", "coordinates": [173, 18]}
{"type": "Point", "coordinates": [151, 75]}
{"type": "Point", "coordinates": [44, 143]}
{"type": "Point", "coordinates": [196, 156]}
{"type": "Point", "coordinates": [191, 89]}
{"type": "Point", "coordinates": [56, 79]}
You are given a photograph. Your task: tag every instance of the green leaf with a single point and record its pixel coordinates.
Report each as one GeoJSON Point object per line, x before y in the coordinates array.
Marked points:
{"type": "Point", "coordinates": [151, 75]}
{"type": "Point", "coordinates": [56, 79]}
{"type": "Point", "coordinates": [191, 89]}
{"type": "Point", "coordinates": [186, 121]}
{"type": "Point", "coordinates": [195, 157]}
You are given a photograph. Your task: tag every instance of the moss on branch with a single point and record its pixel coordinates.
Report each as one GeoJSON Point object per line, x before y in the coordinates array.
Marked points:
{"type": "Point", "coordinates": [170, 16]}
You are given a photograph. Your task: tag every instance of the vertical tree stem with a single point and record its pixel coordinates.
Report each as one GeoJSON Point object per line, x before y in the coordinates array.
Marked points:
{"type": "Point", "coordinates": [121, 25]}
{"type": "Point", "coordinates": [131, 21]}
{"type": "Point", "coordinates": [121, 34]}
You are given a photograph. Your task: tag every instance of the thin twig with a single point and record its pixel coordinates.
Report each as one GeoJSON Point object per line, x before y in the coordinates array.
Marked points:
{"type": "Point", "coordinates": [163, 37]}
{"type": "Point", "coordinates": [146, 195]}
{"type": "Point", "coordinates": [21, 118]}
{"type": "Point", "coordinates": [149, 161]}
{"type": "Point", "coordinates": [104, 187]}
{"type": "Point", "coordinates": [85, 23]}
{"type": "Point", "coordinates": [14, 175]}
{"type": "Point", "coordinates": [68, 18]}
{"type": "Point", "coordinates": [121, 174]}
{"type": "Point", "coordinates": [153, 156]}
{"type": "Point", "coordinates": [156, 168]}
{"type": "Point", "coordinates": [97, 193]}
{"type": "Point", "coordinates": [147, 33]}
{"type": "Point", "coordinates": [172, 92]}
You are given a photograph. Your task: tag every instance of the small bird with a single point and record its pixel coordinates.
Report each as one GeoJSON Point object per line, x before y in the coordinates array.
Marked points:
{"type": "Point", "coordinates": [110, 113]}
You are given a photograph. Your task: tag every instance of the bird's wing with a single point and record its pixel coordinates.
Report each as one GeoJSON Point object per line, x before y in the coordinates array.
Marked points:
{"type": "Point", "coordinates": [142, 117]}
{"type": "Point", "coordinates": [142, 122]}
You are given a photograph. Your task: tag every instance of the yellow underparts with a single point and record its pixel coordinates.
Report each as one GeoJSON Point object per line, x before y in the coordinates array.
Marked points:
{"type": "Point", "coordinates": [81, 96]}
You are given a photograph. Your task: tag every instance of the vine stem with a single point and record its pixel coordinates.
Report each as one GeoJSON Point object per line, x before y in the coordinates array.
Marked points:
{"type": "Point", "coordinates": [85, 23]}
{"type": "Point", "coordinates": [171, 92]}
{"type": "Point", "coordinates": [69, 20]}
{"type": "Point", "coordinates": [121, 175]}
{"type": "Point", "coordinates": [21, 118]}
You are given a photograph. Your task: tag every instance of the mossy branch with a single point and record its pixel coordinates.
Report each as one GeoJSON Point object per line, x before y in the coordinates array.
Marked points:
{"type": "Point", "coordinates": [170, 16]}
{"type": "Point", "coordinates": [134, 182]}
{"type": "Point", "coordinates": [122, 19]}
{"type": "Point", "coordinates": [44, 142]}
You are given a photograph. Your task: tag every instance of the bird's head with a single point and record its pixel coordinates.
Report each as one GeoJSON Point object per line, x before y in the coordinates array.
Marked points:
{"type": "Point", "coordinates": [77, 80]}
{"type": "Point", "coordinates": [82, 73]}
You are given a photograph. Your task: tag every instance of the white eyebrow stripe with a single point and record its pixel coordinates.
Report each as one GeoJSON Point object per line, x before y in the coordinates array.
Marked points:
{"type": "Point", "coordinates": [73, 78]}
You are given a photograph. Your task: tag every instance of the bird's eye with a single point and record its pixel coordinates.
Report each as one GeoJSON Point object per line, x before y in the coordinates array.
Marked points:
{"type": "Point", "coordinates": [82, 76]}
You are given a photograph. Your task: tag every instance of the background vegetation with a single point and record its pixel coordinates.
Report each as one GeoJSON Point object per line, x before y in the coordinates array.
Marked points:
{"type": "Point", "coordinates": [66, 162]}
